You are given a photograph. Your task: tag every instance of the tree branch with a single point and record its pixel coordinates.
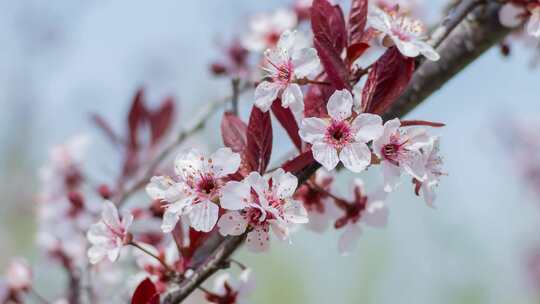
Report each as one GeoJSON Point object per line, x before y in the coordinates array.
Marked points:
{"type": "Point", "coordinates": [460, 44]}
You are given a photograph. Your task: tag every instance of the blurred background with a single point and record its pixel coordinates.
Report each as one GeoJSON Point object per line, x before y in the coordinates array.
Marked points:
{"type": "Point", "coordinates": [61, 61]}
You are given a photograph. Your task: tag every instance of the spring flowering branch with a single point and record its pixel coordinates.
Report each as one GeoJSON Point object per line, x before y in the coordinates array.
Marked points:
{"type": "Point", "coordinates": [339, 110]}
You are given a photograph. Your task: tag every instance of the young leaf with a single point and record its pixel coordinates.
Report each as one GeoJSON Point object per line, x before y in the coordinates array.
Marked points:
{"type": "Point", "coordinates": [233, 132]}
{"type": "Point", "coordinates": [392, 73]}
{"type": "Point", "coordinates": [145, 293]}
{"type": "Point", "coordinates": [330, 39]}
{"type": "Point", "coordinates": [298, 163]}
{"type": "Point", "coordinates": [357, 21]}
{"type": "Point", "coordinates": [161, 120]}
{"type": "Point", "coordinates": [287, 120]}
{"type": "Point", "coordinates": [259, 140]}
{"type": "Point", "coordinates": [137, 115]}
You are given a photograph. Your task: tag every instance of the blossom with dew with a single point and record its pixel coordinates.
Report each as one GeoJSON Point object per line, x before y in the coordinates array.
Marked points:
{"type": "Point", "coordinates": [365, 209]}
{"type": "Point", "coordinates": [18, 276]}
{"type": "Point", "coordinates": [315, 195]}
{"type": "Point", "coordinates": [109, 235]}
{"type": "Point", "coordinates": [399, 151]}
{"type": "Point", "coordinates": [405, 33]}
{"type": "Point", "coordinates": [285, 64]}
{"type": "Point", "coordinates": [197, 188]}
{"type": "Point", "coordinates": [342, 137]}
{"type": "Point", "coordinates": [265, 29]}
{"type": "Point", "coordinates": [513, 13]}
{"type": "Point", "coordinates": [432, 163]}
{"type": "Point", "coordinates": [228, 290]}
{"type": "Point", "coordinates": [261, 203]}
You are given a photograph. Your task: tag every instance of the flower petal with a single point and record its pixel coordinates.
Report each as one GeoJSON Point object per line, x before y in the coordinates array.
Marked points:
{"type": "Point", "coordinates": [235, 195]}
{"type": "Point", "coordinates": [224, 162]}
{"type": "Point", "coordinates": [265, 93]}
{"type": "Point", "coordinates": [203, 216]}
{"type": "Point", "coordinates": [510, 15]}
{"type": "Point", "coordinates": [283, 183]}
{"type": "Point", "coordinates": [349, 239]}
{"type": "Point", "coordinates": [355, 157]}
{"type": "Point", "coordinates": [258, 240]}
{"type": "Point", "coordinates": [232, 223]}
{"type": "Point", "coordinates": [368, 127]}
{"type": "Point", "coordinates": [533, 26]}
{"type": "Point", "coordinates": [188, 163]}
{"type": "Point", "coordinates": [96, 254]}
{"type": "Point", "coordinates": [292, 97]}
{"type": "Point", "coordinates": [305, 62]}
{"type": "Point", "coordinates": [427, 50]}
{"type": "Point", "coordinates": [294, 212]}
{"type": "Point", "coordinates": [109, 215]}
{"type": "Point", "coordinates": [391, 174]}
{"type": "Point", "coordinates": [325, 154]}
{"type": "Point", "coordinates": [312, 129]}
{"type": "Point", "coordinates": [340, 105]}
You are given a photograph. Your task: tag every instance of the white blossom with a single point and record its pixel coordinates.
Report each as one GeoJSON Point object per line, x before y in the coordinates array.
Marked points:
{"type": "Point", "coordinates": [265, 29]}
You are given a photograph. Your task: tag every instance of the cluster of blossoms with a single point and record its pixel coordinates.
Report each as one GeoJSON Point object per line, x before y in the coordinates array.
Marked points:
{"type": "Point", "coordinates": [311, 84]}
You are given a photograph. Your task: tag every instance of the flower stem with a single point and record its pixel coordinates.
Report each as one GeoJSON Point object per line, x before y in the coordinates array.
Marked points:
{"type": "Point", "coordinates": [167, 267]}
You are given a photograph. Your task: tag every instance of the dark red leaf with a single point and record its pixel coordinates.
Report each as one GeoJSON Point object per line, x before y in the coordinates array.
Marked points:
{"type": "Point", "coordinates": [298, 163]}
{"type": "Point", "coordinates": [233, 132]}
{"type": "Point", "coordinates": [369, 88]}
{"type": "Point", "coordinates": [145, 293]}
{"type": "Point", "coordinates": [393, 72]}
{"type": "Point", "coordinates": [409, 123]}
{"type": "Point", "coordinates": [259, 140]}
{"type": "Point", "coordinates": [102, 124]}
{"type": "Point", "coordinates": [136, 117]}
{"type": "Point", "coordinates": [356, 50]}
{"type": "Point", "coordinates": [287, 120]}
{"type": "Point", "coordinates": [196, 239]}
{"type": "Point", "coordinates": [154, 299]}
{"type": "Point", "coordinates": [357, 21]}
{"type": "Point", "coordinates": [178, 236]}
{"type": "Point", "coordinates": [330, 39]}
{"type": "Point", "coordinates": [161, 120]}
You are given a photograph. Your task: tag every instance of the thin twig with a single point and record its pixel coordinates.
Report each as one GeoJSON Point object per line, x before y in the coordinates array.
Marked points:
{"type": "Point", "coordinates": [235, 83]}
{"type": "Point", "coordinates": [160, 260]}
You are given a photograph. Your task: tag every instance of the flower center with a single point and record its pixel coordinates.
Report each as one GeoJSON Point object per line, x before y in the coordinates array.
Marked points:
{"type": "Point", "coordinates": [206, 185]}
{"type": "Point", "coordinates": [338, 134]}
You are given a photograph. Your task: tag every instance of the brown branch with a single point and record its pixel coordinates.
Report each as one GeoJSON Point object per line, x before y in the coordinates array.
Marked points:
{"type": "Point", "coordinates": [461, 44]}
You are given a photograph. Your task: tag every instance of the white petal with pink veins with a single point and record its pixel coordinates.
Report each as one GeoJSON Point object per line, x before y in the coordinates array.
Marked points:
{"type": "Point", "coordinates": [280, 230]}
{"type": "Point", "coordinates": [355, 157]}
{"type": "Point", "coordinates": [188, 163]}
{"type": "Point", "coordinates": [258, 240]}
{"type": "Point", "coordinates": [390, 127]}
{"type": "Point", "coordinates": [96, 254]}
{"type": "Point", "coordinates": [295, 212]}
{"type": "Point", "coordinates": [427, 50]}
{"type": "Point", "coordinates": [326, 155]}
{"type": "Point", "coordinates": [163, 188]}
{"type": "Point", "coordinates": [340, 105]}
{"type": "Point", "coordinates": [224, 162]}
{"type": "Point", "coordinates": [257, 182]}
{"type": "Point", "coordinates": [312, 129]}
{"type": "Point", "coordinates": [408, 49]}
{"type": "Point", "coordinates": [286, 42]}
{"type": "Point", "coordinates": [203, 216]}
{"type": "Point", "coordinates": [110, 216]}
{"type": "Point", "coordinates": [349, 239]}
{"type": "Point", "coordinates": [283, 183]}
{"type": "Point", "coordinates": [305, 62]}
{"type": "Point", "coordinates": [98, 234]}
{"type": "Point", "coordinates": [368, 127]}
{"type": "Point", "coordinates": [235, 195]}
{"type": "Point", "coordinates": [232, 223]}
{"type": "Point", "coordinates": [511, 15]}
{"type": "Point", "coordinates": [170, 218]}
{"type": "Point", "coordinates": [265, 93]}
{"type": "Point", "coordinates": [391, 174]}
{"type": "Point", "coordinates": [533, 26]}
{"type": "Point", "coordinates": [292, 97]}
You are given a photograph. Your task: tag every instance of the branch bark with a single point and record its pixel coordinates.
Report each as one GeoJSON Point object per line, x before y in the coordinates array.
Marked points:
{"type": "Point", "coordinates": [461, 42]}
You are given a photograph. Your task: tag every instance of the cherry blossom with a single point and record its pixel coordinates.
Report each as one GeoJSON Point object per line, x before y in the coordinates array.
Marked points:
{"type": "Point", "coordinates": [404, 32]}
{"type": "Point", "coordinates": [109, 235]}
{"type": "Point", "coordinates": [200, 180]}
{"type": "Point", "coordinates": [370, 210]}
{"type": "Point", "coordinates": [285, 64]}
{"type": "Point", "coordinates": [18, 275]}
{"type": "Point", "coordinates": [266, 28]}
{"type": "Point", "coordinates": [261, 203]}
{"type": "Point", "coordinates": [152, 268]}
{"type": "Point", "coordinates": [342, 137]}
{"type": "Point", "coordinates": [399, 150]}
{"type": "Point", "coordinates": [317, 201]}
{"type": "Point", "coordinates": [514, 13]}
{"type": "Point", "coordinates": [228, 290]}
{"type": "Point", "coordinates": [432, 163]}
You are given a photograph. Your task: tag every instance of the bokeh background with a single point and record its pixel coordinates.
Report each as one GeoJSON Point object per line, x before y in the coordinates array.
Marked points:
{"type": "Point", "coordinates": [60, 61]}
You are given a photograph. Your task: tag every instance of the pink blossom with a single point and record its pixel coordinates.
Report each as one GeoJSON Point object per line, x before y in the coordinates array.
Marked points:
{"type": "Point", "coordinates": [265, 29]}
{"type": "Point", "coordinates": [285, 64]}
{"type": "Point", "coordinates": [432, 163]}
{"type": "Point", "coordinates": [342, 137]}
{"type": "Point", "coordinates": [513, 14]}
{"type": "Point", "coordinates": [108, 235]}
{"type": "Point", "coordinates": [261, 203]}
{"type": "Point", "coordinates": [405, 33]}
{"type": "Point", "coordinates": [399, 151]}
{"type": "Point", "coordinates": [228, 290]}
{"type": "Point", "coordinates": [197, 189]}
{"type": "Point", "coordinates": [18, 276]}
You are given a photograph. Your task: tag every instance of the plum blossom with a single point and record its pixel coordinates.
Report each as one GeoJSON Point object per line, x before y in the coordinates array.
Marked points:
{"type": "Point", "coordinates": [261, 203]}
{"type": "Point", "coordinates": [109, 235]}
{"type": "Point", "coordinates": [432, 163]}
{"type": "Point", "coordinates": [342, 137]}
{"type": "Point", "coordinates": [265, 29]}
{"type": "Point", "coordinates": [317, 201]}
{"type": "Point", "coordinates": [370, 210]}
{"type": "Point", "coordinates": [399, 151]}
{"type": "Point", "coordinates": [405, 33]}
{"type": "Point", "coordinates": [18, 275]}
{"type": "Point", "coordinates": [152, 268]}
{"type": "Point", "coordinates": [285, 64]}
{"type": "Point", "coordinates": [514, 13]}
{"type": "Point", "coordinates": [228, 290]}
{"type": "Point", "coordinates": [197, 189]}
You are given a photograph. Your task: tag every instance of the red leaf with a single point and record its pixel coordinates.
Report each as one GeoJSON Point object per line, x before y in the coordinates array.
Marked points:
{"type": "Point", "coordinates": [330, 39]}
{"type": "Point", "coordinates": [259, 140]}
{"type": "Point", "coordinates": [356, 50]}
{"type": "Point", "coordinates": [316, 99]}
{"type": "Point", "coordinates": [393, 72]}
{"type": "Point", "coordinates": [136, 117]}
{"type": "Point", "coordinates": [196, 239]}
{"type": "Point", "coordinates": [298, 163]}
{"type": "Point", "coordinates": [408, 123]}
{"type": "Point", "coordinates": [145, 293]}
{"type": "Point", "coordinates": [357, 21]}
{"type": "Point", "coordinates": [287, 120]}
{"type": "Point", "coordinates": [369, 89]}
{"type": "Point", "coordinates": [161, 120]}
{"type": "Point", "coordinates": [233, 132]}
{"type": "Point", "coordinates": [178, 236]}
